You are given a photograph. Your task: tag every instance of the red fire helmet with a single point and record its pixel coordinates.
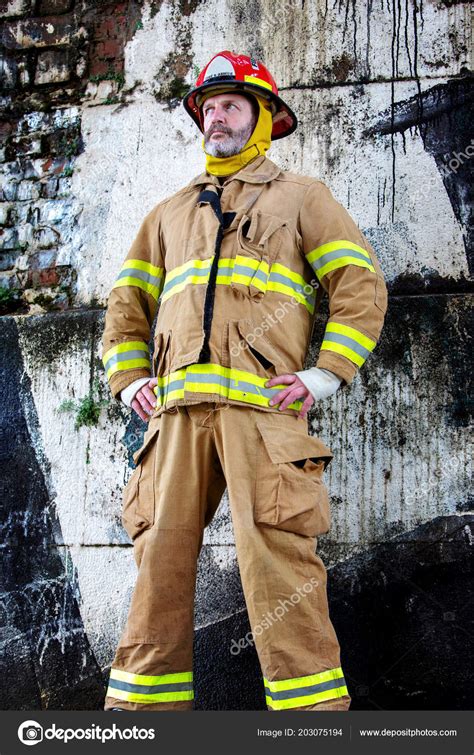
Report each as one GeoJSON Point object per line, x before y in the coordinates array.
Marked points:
{"type": "Point", "coordinates": [227, 71]}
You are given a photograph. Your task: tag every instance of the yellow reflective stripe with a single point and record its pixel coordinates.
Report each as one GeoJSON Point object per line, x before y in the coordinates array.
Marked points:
{"type": "Point", "coordinates": [127, 355]}
{"type": "Point", "coordinates": [304, 681]}
{"type": "Point", "coordinates": [223, 279]}
{"type": "Point", "coordinates": [336, 254]}
{"type": "Point", "coordinates": [149, 288]}
{"type": "Point", "coordinates": [345, 351]}
{"type": "Point", "coordinates": [347, 341]}
{"type": "Point", "coordinates": [277, 267]}
{"type": "Point", "coordinates": [141, 274]}
{"type": "Point", "coordinates": [156, 697]}
{"type": "Point", "coordinates": [126, 676]}
{"type": "Point", "coordinates": [128, 364]}
{"type": "Point", "coordinates": [195, 263]}
{"type": "Point", "coordinates": [296, 702]}
{"type": "Point", "coordinates": [245, 280]}
{"type": "Point", "coordinates": [226, 274]}
{"type": "Point", "coordinates": [180, 277]}
{"type": "Point", "coordinates": [342, 262]}
{"type": "Point", "coordinates": [247, 262]}
{"type": "Point", "coordinates": [356, 335]}
{"type": "Point", "coordinates": [147, 267]}
{"type": "Point", "coordinates": [223, 381]}
{"type": "Point", "coordinates": [257, 80]}
{"type": "Point", "coordinates": [233, 393]}
{"type": "Point", "coordinates": [192, 279]}
{"type": "Point", "coordinates": [334, 246]}
{"type": "Point", "coordinates": [120, 348]}
{"type": "Point", "coordinates": [282, 289]}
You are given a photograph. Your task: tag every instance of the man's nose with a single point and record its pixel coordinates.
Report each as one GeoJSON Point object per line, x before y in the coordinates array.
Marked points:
{"type": "Point", "coordinates": [217, 116]}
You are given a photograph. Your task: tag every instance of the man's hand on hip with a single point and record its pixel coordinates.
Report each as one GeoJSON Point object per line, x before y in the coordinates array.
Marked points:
{"type": "Point", "coordinates": [144, 401]}
{"type": "Point", "coordinates": [296, 390]}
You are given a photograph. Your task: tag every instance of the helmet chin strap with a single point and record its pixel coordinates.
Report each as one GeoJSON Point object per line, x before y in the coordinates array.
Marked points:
{"type": "Point", "coordinates": [258, 143]}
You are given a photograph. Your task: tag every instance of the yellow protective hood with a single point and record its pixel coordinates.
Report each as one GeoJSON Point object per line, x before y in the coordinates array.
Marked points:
{"type": "Point", "coordinates": [258, 144]}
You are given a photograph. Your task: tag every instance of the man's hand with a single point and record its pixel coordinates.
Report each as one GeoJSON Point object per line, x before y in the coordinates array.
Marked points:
{"type": "Point", "coordinates": [144, 401]}
{"type": "Point", "coordinates": [296, 390]}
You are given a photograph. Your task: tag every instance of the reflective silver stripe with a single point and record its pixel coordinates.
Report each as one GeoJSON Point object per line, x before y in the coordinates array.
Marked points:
{"type": "Point", "coordinates": [329, 256]}
{"type": "Point", "coordinates": [231, 383]}
{"type": "Point", "coordinates": [278, 277]}
{"type": "Point", "coordinates": [173, 385]}
{"type": "Point", "coordinates": [250, 272]}
{"type": "Point", "coordinates": [346, 341]}
{"type": "Point", "coordinates": [133, 272]}
{"type": "Point", "coordinates": [232, 271]}
{"type": "Point", "coordinates": [150, 690]}
{"type": "Point", "coordinates": [204, 272]}
{"type": "Point", "coordinates": [125, 356]}
{"type": "Point", "coordinates": [311, 690]}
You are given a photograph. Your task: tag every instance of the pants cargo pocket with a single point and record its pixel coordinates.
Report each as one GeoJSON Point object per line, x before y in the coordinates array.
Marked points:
{"type": "Point", "coordinates": [138, 496]}
{"type": "Point", "coordinates": [290, 493]}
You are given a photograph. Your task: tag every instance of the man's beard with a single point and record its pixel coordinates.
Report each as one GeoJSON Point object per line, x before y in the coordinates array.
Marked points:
{"type": "Point", "coordinates": [232, 142]}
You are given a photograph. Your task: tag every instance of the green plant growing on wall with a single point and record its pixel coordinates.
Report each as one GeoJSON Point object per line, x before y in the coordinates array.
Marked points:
{"type": "Point", "coordinates": [10, 299]}
{"type": "Point", "coordinates": [109, 75]}
{"type": "Point", "coordinates": [87, 409]}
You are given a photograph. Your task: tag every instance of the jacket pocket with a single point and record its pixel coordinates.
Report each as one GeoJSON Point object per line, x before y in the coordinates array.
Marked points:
{"type": "Point", "coordinates": [259, 239]}
{"type": "Point", "coordinates": [138, 496]}
{"type": "Point", "coordinates": [247, 348]}
{"type": "Point", "coordinates": [290, 493]}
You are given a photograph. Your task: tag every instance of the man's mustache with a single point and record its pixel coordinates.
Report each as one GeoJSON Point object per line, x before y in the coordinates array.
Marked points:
{"type": "Point", "coordinates": [212, 129]}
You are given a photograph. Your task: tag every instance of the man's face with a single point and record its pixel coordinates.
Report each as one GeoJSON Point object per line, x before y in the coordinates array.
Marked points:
{"type": "Point", "coordinates": [229, 121]}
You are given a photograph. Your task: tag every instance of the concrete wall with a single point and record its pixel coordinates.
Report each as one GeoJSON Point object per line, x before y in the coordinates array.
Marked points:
{"type": "Point", "coordinates": [94, 137]}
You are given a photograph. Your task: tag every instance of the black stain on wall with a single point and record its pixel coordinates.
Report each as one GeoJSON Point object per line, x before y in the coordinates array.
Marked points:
{"type": "Point", "coordinates": [443, 115]}
{"type": "Point", "coordinates": [46, 662]}
{"type": "Point", "coordinates": [427, 338]}
{"type": "Point", "coordinates": [404, 618]}
{"type": "Point", "coordinates": [403, 615]}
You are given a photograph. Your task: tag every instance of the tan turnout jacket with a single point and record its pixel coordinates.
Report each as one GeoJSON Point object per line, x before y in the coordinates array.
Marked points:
{"type": "Point", "coordinates": [238, 272]}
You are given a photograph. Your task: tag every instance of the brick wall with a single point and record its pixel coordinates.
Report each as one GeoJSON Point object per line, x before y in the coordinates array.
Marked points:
{"type": "Point", "coordinates": [54, 56]}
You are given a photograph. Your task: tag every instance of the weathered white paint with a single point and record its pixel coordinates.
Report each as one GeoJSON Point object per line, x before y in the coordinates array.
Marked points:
{"type": "Point", "coordinates": [139, 154]}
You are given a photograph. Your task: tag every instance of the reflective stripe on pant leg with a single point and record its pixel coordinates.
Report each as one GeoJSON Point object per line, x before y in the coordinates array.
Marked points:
{"type": "Point", "coordinates": [140, 688]}
{"type": "Point", "coordinates": [305, 690]}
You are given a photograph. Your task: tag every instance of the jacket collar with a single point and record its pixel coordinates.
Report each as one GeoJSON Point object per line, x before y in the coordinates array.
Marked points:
{"type": "Point", "coordinates": [260, 170]}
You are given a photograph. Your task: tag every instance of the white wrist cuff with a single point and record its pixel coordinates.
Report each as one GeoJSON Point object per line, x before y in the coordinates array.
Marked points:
{"type": "Point", "coordinates": [320, 383]}
{"type": "Point", "coordinates": [128, 394]}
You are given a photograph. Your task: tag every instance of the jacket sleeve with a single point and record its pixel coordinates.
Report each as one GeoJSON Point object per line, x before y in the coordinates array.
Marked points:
{"type": "Point", "coordinates": [346, 267]}
{"type": "Point", "coordinates": [131, 307]}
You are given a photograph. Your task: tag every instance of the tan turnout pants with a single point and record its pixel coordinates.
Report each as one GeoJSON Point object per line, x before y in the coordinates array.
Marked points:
{"type": "Point", "coordinates": [273, 470]}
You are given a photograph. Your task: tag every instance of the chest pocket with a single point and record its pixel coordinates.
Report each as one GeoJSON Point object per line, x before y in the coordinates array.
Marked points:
{"type": "Point", "coordinates": [260, 237]}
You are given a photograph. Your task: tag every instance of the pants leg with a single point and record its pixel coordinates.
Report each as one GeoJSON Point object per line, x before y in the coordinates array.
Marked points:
{"type": "Point", "coordinates": [279, 505]}
{"type": "Point", "coordinates": [171, 496]}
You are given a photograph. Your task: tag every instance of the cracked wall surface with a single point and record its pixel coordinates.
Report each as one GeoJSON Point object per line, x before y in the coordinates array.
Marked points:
{"type": "Point", "coordinates": [93, 135]}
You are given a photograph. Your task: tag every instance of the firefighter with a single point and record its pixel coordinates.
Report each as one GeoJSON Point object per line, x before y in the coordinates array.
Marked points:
{"type": "Point", "coordinates": [238, 261]}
